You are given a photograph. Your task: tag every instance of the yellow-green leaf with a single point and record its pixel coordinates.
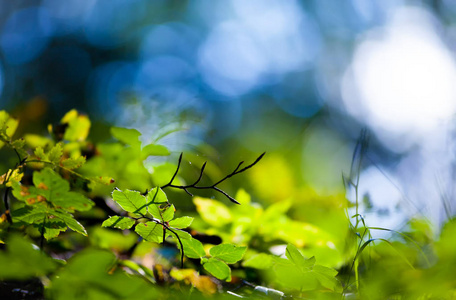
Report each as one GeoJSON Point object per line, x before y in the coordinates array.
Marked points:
{"type": "Point", "coordinates": [193, 248]}
{"type": "Point", "coordinates": [260, 261]}
{"type": "Point", "coordinates": [157, 196]}
{"type": "Point", "coordinates": [126, 135]}
{"type": "Point", "coordinates": [168, 214]}
{"type": "Point", "coordinates": [182, 222]}
{"type": "Point", "coordinates": [73, 162]}
{"type": "Point", "coordinates": [8, 126]}
{"type": "Point", "coordinates": [150, 231]}
{"type": "Point", "coordinates": [298, 259]}
{"type": "Point", "coordinates": [78, 126]}
{"type": "Point", "coordinates": [55, 153]}
{"type": "Point", "coordinates": [228, 253]}
{"type": "Point", "coordinates": [154, 150]}
{"type": "Point", "coordinates": [131, 201]}
{"type": "Point", "coordinates": [119, 222]}
{"type": "Point", "coordinates": [218, 269]}
{"type": "Point", "coordinates": [212, 211]}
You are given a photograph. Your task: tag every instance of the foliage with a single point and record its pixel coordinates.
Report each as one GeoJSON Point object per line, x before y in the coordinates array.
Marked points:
{"type": "Point", "coordinates": [94, 221]}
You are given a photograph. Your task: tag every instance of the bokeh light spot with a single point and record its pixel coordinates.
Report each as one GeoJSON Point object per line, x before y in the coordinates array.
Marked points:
{"type": "Point", "coordinates": [403, 80]}
{"type": "Point", "coordinates": [26, 35]}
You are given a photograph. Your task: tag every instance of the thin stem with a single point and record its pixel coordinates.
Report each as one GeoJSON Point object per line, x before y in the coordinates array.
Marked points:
{"type": "Point", "coordinates": [355, 263]}
{"type": "Point", "coordinates": [180, 243]}
{"type": "Point", "coordinates": [353, 180]}
{"type": "Point", "coordinates": [166, 227]}
{"type": "Point", "coordinates": [241, 170]}
{"type": "Point", "coordinates": [18, 156]}
{"type": "Point", "coordinates": [58, 166]}
{"type": "Point", "coordinates": [42, 234]}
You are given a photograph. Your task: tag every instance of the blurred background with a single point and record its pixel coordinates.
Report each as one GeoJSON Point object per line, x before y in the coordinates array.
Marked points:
{"type": "Point", "coordinates": [297, 79]}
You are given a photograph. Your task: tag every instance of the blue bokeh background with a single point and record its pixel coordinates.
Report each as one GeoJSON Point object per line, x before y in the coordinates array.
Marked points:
{"type": "Point", "coordinates": [258, 75]}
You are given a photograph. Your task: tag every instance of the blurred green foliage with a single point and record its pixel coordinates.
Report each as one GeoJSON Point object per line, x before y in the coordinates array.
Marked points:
{"type": "Point", "coordinates": [137, 239]}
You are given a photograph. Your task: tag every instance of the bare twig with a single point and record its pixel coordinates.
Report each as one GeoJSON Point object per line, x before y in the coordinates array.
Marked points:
{"type": "Point", "coordinates": [175, 173]}
{"type": "Point", "coordinates": [213, 186]}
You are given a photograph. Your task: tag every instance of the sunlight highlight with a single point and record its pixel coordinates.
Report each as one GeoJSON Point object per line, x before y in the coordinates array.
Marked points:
{"type": "Point", "coordinates": [402, 79]}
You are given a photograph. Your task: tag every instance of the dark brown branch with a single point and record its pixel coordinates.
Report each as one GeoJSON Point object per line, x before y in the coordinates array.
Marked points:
{"type": "Point", "coordinates": [185, 189]}
{"type": "Point", "coordinates": [226, 194]}
{"type": "Point", "coordinates": [175, 173]}
{"type": "Point", "coordinates": [213, 186]}
{"type": "Point", "coordinates": [201, 173]}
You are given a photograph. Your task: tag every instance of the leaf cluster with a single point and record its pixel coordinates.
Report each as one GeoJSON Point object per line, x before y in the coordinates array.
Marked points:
{"type": "Point", "coordinates": [97, 221]}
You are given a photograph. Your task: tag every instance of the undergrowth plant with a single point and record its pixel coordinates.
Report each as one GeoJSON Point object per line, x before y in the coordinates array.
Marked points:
{"type": "Point", "coordinates": [84, 220]}
{"type": "Point", "coordinates": [44, 191]}
{"type": "Point", "coordinates": [158, 213]}
{"type": "Point", "coordinates": [359, 228]}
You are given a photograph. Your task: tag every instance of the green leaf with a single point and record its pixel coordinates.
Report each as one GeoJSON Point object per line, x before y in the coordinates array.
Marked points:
{"type": "Point", "coordinates": [326, 277]}
{"type": "Point", "coordinates": [119, 222]}
{"type": "Point", "coordinates": [305, 275]}
{"type": "Point", "coordinates": [131, 201]}
{"type": "Point", "coordinates": [29, 214]}
{"type": "Point", "coordinates": [52, 221]}
{"type": "Point", "coordinates": [261, 261]}
{"type": "Point", "coordinates": [325, 271]}
{"type": "Point", "coordinates": [73, 162]}
{"type": "Point", "coordinates": [114, 240]}
{"type": "Point", "coordinates": [168, 214]}
{"type": "Point", "coordinates": [278, 208]}
{"type": "Point", "coordinates": [70, 221]}
{"type": "Point", "coordinates": [298, 259]}
{"type": "Point", "coordinates": [183, 235]}
{"type": "Point", "coordinates": [11, 176]}
{"type": "Point", "coordinates": [218, 269]}
{"type": "Point", "coordinates": [163, 214]}
{"type": "Point", "coordinates": [8, 126]}
{"type": "Point", "coordinates": [49, 186]}
{"type": "Point", "coordinates": [291, 276]}
{"type": "Point", "coordinates": [192, 248]}
{"type": "Point", "coordinates": [155, 211]}
{"type": "Point", "coordinates": [182, 222]}
{"type": "Point", "coordinates": [35, 140]}
{"type": "Point", "coordinates": [55, 154]}
{"type": "Point", "coordinates": [156, 196]}
{"type": "Point", "coordinates": [154, 150]}
{"type": "Point", "coordinates": [78, 126]}
{"type": "Point", "coordinates": [228, 252]}
{"type": "Point", "coordinates": [52, 228]}
{"type": "Point", "coordinates": [23, 260]}
{"type": "Point", "coordinates": [39, 153]}
{"type": "Point", "coordinates": [213, 212]}
{"type": "Point", "coordinates": [18, 144]}
{"type": "Point", "coordinates": [92, 274]}
{"type": "Point", "coordinates": [126, 135]}
{"type": "Point", "coordinates": [71, 201]}
{"type": "Point", "coordinates": [150, 231]}
{"type": "Point", "coordinates": [163, 173]}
